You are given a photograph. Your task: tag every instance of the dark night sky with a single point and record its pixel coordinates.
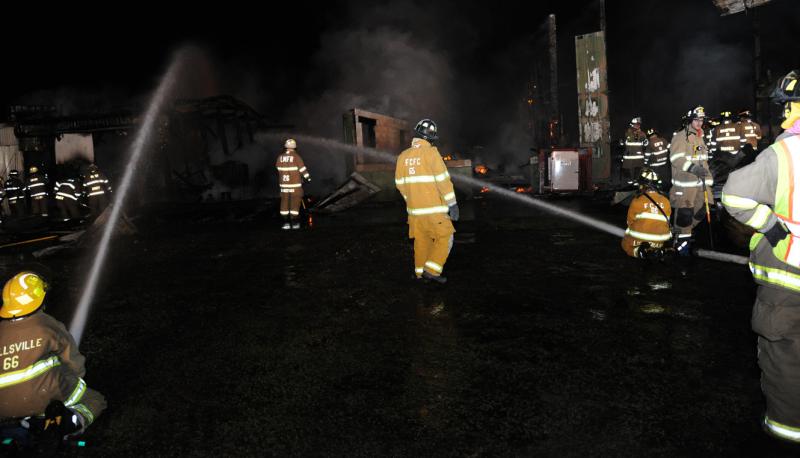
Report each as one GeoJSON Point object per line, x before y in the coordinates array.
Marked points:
{"type": "Point", "coordinates": [465, 65]}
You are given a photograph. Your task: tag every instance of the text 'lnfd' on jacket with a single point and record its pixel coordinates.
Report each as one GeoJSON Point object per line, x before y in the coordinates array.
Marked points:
{"type": "Point", "coordinates": [290, 170]}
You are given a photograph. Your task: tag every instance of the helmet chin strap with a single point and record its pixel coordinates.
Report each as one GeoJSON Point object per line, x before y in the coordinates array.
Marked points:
{"type": "Point", "coordinates": [792, 114]}
{"type": "Point", "coordinates": [794, 128]}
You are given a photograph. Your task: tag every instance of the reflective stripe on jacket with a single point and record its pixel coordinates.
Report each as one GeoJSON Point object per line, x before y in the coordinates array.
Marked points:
{"type": "Point", "coordinates": [634, 146]}
{"type": "Point", "coordinates": [290, 168]}
{"type": "Point", "coordinates": [37, 184]}
{"type": "Point", "coordinates": [752, 132]}
{"type": "Point", "coordinates": [41, 362]}
{"type": "Point", "coordinates": [686, 149]}
{"type": "Point", "coordinates": [763, 194]}
{"type": "Point", "coordinates": [422, 178]}
{"type": "Point", "coordinates": [656, 154]}
{"type": "Point", "coordinates": [66, 189]}
{"type": "Point", "coordinates": [728, 138]}
{"type": "Point", "coordinates": [96, 184]}
{"type": "Point", "coordinates": [645, 221]}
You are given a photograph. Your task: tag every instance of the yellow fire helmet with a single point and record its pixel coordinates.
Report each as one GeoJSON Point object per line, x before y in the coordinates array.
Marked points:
{"type": "Point", "coordinates": [22, 295]}
{"type": "Point", "coordinates": [33, 169]}
{"type": "Point", "coordinates": [290, 144]}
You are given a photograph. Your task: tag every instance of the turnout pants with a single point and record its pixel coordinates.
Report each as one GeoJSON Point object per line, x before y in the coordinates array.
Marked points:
{"type": "Point", "coordinates": [776, 320]}
{"type": "Point", "coordinates": [68, 208]}
{"type": "Point", "coordinates": [71, 390]}
{"type": "Point", "coordinates": [730, 160]}
{"type": "Point", "coordinates": [689, 208]}
{"type": "Point", "coordinates": [16, 207]}
{"type": "Point", "coordinates": [97, 204]}
{"type": "Point", "coordinates": [39, 206]}
{"type": "Point", "coordinates": [433, 239]}
{"type": "Point", "coordinates": [631, 171]}
{"type": "Point", "coordinates": [290, 202]}
{"type": "Point", "coordinates": [664, 173]}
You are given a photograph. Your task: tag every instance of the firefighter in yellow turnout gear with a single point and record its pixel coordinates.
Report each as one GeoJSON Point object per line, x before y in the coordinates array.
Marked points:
{"type": "Point", "coordinates": [765, 195]}
{"type": "Point", "coordinates": [292, 172]}
{"type": "Point", "coordinates": [648, 220]}
{"type": "Point", "coordinates": [41, 361]}
{"type": "Point", "coordinates": [422, 178]}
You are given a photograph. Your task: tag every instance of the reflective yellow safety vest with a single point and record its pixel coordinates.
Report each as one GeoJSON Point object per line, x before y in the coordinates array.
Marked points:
{"type": "Point", "coordinates": [764, 193]}
{"type": "Point", "coordinates": [787, 200]}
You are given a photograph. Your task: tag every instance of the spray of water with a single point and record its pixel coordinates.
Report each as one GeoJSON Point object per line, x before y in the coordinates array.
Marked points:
{"type": "Point", "coordinates": [78, 323]}
{"type": "Point", "coordinates": [328, 144]}
{"type": "Point", "coordinates": [462, 179]}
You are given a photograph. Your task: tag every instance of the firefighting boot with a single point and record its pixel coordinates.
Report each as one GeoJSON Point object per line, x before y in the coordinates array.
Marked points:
{"type": "Point", "coordinates": [434, 278]}
{"type": "Point", "coordinates": [683, 244]}
{"type": "Point", "coordinates": [669, 253]}
{"type": "Point", "coordinates": [286, 225]}
{"type": "Point", "coordinates": [296, 224]}
{"type": "Point", "coordinates": [649, 252]}
{"type": "Point", "coordinates": [58, 423]}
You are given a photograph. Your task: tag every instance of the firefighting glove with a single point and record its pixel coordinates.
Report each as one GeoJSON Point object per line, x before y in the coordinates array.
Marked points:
{"type": "Point", "coordinates": [453, 212]}
{"type": "Point", "coordinates": [698, 170]}
{"type": "Point", "coordinates": [776, 233]}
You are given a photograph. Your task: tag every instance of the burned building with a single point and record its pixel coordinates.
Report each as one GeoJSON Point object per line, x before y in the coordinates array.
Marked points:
{"type": "Point", "coordinates": [205, 149]}
{"type": "Point", "coordinates": [367, 129]}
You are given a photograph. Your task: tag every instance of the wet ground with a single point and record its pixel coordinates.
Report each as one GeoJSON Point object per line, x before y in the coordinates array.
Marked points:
{"type": "Point", "coordinates": [228, 337]}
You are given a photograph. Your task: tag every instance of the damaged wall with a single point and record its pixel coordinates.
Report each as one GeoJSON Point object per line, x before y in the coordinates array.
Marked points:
{"type": "Point", "coordinates": [10, 156]}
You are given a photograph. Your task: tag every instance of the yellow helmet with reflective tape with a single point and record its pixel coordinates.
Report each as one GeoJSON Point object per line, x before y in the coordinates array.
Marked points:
{"type": "Point", "coordinates": [22, 295]}
{"type": "Point", "coordinates": [648, 177]}
{"type": "Point", "coordinates": [290, 144]}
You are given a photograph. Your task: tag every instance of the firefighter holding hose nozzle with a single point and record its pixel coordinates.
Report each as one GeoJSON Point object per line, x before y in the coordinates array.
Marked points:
{"type": "Point", "coordinates": [42, 371]}
{"type": "Point", "coordinates": [648, 220]}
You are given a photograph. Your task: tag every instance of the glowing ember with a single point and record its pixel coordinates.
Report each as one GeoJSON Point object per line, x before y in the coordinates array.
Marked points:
{"type": "Point", "coordinates": [481, 169]}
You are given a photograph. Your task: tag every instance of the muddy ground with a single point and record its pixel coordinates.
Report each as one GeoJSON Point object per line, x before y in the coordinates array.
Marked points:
{"type": "Point", "coordinates": [221, 335]}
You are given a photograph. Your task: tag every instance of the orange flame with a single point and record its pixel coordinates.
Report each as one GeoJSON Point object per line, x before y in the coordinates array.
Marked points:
{"type": "Point", "coordinates": [481, 169]}
{"type": "Point", "coordinates": [484, 189]}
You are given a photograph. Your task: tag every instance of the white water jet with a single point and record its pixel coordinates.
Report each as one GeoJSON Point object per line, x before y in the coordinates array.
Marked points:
{"type": "Point", "coordinates": [464, 180]}
{"type": "Point", "coordinates": [522, 198]}
{"type": "Point", "coordinates": [78, 323]}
